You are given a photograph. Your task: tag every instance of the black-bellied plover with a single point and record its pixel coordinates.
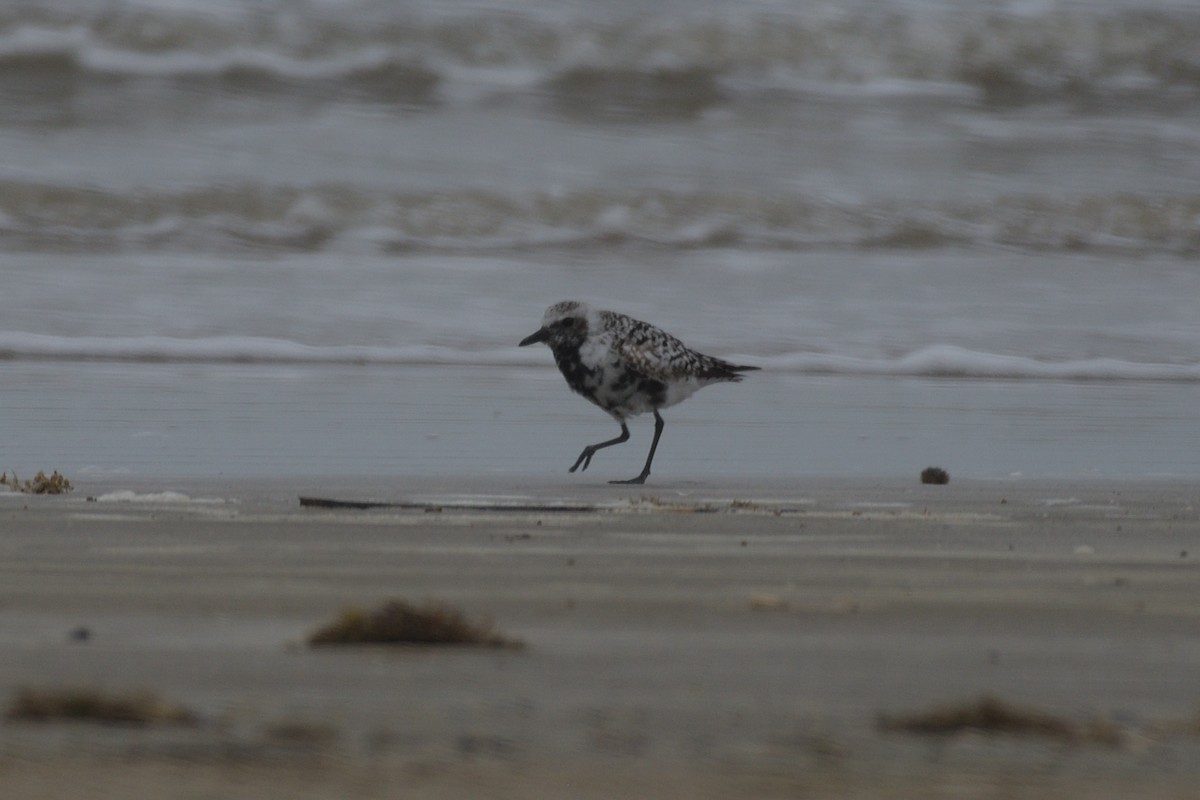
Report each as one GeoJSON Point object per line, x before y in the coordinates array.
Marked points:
{"type": "Point", "coordinates": [626, 367]}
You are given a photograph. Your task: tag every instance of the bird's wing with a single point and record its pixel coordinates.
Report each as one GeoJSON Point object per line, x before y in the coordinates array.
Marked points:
{"type": "Point", "coordinates": [650, 351]}
{"type": "Point", "coordinates": [658, 355]}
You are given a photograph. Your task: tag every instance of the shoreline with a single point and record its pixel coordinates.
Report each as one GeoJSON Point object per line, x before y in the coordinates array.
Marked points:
{"type": "Point", "coordinates": [106, 421]}
{"type": "Point", "coordinates": [691, 638]}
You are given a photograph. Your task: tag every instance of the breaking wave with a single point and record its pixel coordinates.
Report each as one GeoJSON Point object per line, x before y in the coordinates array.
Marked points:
{"type": "Point", "coordinates": [934, 361]}
{"type": "Point", "coordinates": [947, 361]}
{"type": "Point", "coordinates": [66, 219]}
{"type": "Point", "coordinates": [674, 62]}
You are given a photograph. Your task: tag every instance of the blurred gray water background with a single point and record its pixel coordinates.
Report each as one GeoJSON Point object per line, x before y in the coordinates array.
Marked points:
{"type": "Point", "coordinates": [304, 236]}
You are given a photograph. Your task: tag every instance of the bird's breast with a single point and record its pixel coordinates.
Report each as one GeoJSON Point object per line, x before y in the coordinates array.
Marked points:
{"type": "Point", "coordinates": [595, 371]}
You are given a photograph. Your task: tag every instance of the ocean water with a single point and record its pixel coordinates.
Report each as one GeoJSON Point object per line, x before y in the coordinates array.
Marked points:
{"type": "Point", "coordinates": [304, 236]}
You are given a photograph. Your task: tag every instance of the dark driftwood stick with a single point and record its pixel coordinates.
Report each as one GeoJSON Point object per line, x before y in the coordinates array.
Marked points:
{"type": "Point", "coordinates": [528, 508]}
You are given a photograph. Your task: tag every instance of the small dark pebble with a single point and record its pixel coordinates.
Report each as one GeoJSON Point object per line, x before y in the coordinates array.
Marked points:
{"type": "Point", "coordinates": [935, 475]}
{"type": "Point", "coordinates": [81, 634]}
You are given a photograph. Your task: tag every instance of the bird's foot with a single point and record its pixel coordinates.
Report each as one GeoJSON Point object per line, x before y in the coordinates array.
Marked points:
{"type": "Point", "coordinates": [638, 481]}
{"type": "Point", "coordinates": [585, 459]}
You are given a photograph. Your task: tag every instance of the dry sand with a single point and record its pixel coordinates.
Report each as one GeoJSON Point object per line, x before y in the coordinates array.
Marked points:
{"type": "Point", "coordinates": [683, 639]}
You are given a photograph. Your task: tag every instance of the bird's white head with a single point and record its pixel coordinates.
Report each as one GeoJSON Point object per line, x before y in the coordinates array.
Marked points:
{"type": "Point", "coordinates": [563, 322]}
{"type": "Point", "coordinates": [566, 311]}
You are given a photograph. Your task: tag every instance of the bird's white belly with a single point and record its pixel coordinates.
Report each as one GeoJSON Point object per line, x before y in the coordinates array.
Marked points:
{"type": "Point", "coordinates": [680, 390]}
{"type": "Point", "coordinates": [614, 385]}
{"type": "Point", "coordinates": [629, 398]}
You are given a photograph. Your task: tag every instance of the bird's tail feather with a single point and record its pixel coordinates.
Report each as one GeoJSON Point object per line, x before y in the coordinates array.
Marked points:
{"type": "Point", "coordinates": [724, 371]}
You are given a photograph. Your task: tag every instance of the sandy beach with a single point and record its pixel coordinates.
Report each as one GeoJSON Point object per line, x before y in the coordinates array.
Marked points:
{"type": "Point", "coordinates": [685, 639]}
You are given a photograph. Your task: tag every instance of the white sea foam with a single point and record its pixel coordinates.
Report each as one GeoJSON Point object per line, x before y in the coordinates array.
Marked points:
{"type": "Point", "coordinates": [158, 498]}
{"type": "Point", "coordinates": [947, 361]}
{"type": "Point", "coordinates": [291, 218]}
{"type": "Point", "coordinates": [222, 349]}
{"type": "Point", "coordinates": [935, 361]}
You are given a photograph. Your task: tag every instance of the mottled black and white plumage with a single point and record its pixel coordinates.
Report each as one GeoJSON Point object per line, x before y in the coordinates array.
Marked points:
{"type": "Point", "coordinates": [626, 367]}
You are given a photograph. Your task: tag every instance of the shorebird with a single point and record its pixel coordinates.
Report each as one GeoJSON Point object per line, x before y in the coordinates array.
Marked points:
{"type": "Point", "coordinates": [626, 367]}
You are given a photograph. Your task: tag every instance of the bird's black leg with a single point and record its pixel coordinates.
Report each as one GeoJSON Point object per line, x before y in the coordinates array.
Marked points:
{"type": "Point", "coordinates": [658, 429]}
{"type": "Point", "coordinates": [585, 457]}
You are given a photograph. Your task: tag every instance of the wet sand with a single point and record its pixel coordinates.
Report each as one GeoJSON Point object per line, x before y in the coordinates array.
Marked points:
{"type": "Point", "coordinates": [684, 639]}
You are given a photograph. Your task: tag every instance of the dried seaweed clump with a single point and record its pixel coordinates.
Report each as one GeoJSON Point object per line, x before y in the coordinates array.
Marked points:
{"type": "Point", "coordinates": [401, 622]}
{"type": "Point", "coordinates": [935, 475]}
{"type": "Point", "coordinates": [41, 483]}
{"type": "Point", "coordinates": [85, 704]}
{"type": "Point", "coordinates": [990, 715]}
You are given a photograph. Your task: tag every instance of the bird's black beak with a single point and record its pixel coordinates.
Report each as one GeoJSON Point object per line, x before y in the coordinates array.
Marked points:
{"type": "Point", "coordinates": [540, 335]}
